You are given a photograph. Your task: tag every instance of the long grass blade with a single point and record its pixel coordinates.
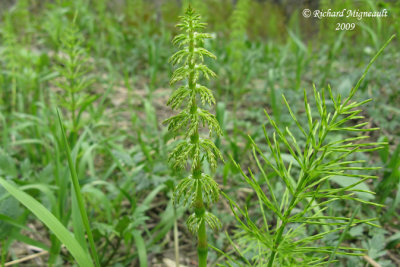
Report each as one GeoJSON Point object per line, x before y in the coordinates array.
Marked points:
{"type": "Point", "coordinates": [78, 194]}
{"type": "Point", "coordinates": [45, 216]}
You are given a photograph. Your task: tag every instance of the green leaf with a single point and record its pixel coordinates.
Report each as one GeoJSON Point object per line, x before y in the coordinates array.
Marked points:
{"type": "Point", "coordinates": [141, 247]}
{"type": "Point", "coordinates": [7, 165]}
{"type": "Point", "coordinates": [77, 193]}
{"type": "Point", "coordinates": [46, 217]}
{"type": "Point", "coordinates": [9, 211]}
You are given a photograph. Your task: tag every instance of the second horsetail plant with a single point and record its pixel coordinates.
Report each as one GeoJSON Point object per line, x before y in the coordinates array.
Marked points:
{"type": "Point", "coordinates": [199, 189]}
{"type": "Point", "coordinates": [288, 234]}
{"type": "Point", "coordinates": [74, 79]}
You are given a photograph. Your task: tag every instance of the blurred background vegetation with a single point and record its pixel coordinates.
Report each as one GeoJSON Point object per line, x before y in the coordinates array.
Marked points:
{"type": "Point", "coordinates": [264, 49]}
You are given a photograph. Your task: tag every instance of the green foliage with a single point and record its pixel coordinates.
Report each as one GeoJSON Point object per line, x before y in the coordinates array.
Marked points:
{"type": "Point", "coordinates": [80, 255]}
{"type": "Point", "coordinates": [74, 80]}
{"type": "Point", "coordinates": [198, 187]}
{"type": "Point", "coordinates": [78, 194]}
{"type": "Point", "coordinates": [10, 55]}
{"type": "Point", "coordinates": [390, 179]}
{"type": "Point", "coordinates": [321, 158]}
{"type": "Point", "coordinates": [206, 184]}
{"type": "Point", "coordinates": [239, 20]}
{"type": "Point", "coordinates": [120, 151]}
{"type": "Point", "coordinates": [10, 209]}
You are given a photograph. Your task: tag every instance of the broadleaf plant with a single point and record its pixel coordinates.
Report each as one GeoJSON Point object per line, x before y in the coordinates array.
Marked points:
{"type": "Point", "coordinates": [282, 236]}
{"type": "Point", "coordinates": [199, 189]}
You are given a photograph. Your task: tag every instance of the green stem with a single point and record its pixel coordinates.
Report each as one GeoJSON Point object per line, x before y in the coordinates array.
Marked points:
{"type": "Point", "coordinates": [292, 204]}
{"type": "Point", "coordinates": [176, 239]}
{"type": "Point", "coordinates": [202, 246]}
{"type": "Point", "coordinates": [278, 238]}
{"type": "Point", "coordinates": [276, 245]}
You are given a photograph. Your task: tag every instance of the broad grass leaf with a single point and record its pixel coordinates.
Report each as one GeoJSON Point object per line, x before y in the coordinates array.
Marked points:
{"type": "Point", "coordinates": [46, 217]}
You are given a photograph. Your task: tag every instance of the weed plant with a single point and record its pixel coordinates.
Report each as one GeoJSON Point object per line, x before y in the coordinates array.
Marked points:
{"type": "Point", "coordinates": [119, 151]}
{"type": "Point", "coordinates": [11, 56]}
{"type": "Point", "coordinates": [74, 79]}
{"type": "Point", "coordinates": [306, 199]}
{"type": "Point", "coordinates": [238, 24]}
{"type": "Point", "coordinates": [239, 64]}
{"type": "Point", "coordinates": [76, 245]}
{"type": "Point", "coordinates": [199, 189]}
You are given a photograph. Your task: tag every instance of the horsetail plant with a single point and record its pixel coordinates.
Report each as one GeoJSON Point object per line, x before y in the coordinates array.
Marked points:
{"type": "Point", "coordinates": [239, 21]}
{"type": "Point", "coordinates": [291, 234]}
{"type": "Point", "coordinates": [10, 56]}
{"type": "Point", "coordinates": [74, 79]}
{"type": "Point", "coordinates": [199, 189]}
{"type": "Point", "coordinates": [239, 72]}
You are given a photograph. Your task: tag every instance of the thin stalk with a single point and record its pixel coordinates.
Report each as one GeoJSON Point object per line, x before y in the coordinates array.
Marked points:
{"type": "Point", "coordinates": [278, 238]}
{"type": "Point", "coordinates": [176, 239]}
{"type": "Point", "coordinates": [202, 247]}
{"type": "Point", "coordinates": [77, 189]}
{"type": "Point", "coordinates": [199, 209]}
{"type": "Point", "coordinates": [292, 204]}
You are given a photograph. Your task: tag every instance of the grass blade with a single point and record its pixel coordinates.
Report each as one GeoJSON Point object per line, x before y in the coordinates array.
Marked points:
{"type": "Point", "coordinates": [78, 194]}
{"type": "Point", "coordinates": [46, 217]}
{"type": "Point", "coordinates": [141, 247]}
